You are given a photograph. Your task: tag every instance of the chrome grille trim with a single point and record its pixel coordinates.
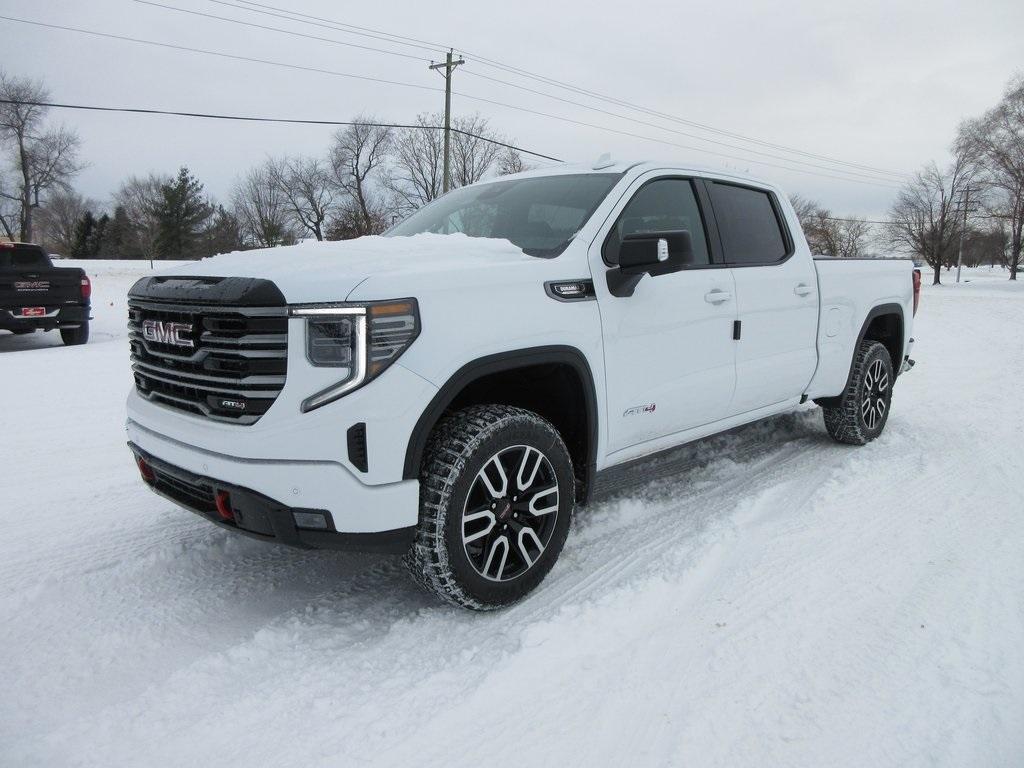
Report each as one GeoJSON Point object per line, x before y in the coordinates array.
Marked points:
{"type": "Point", "coordinates": [235, 371]}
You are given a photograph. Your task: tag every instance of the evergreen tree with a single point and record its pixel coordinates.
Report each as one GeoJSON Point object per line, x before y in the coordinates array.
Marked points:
{"type": "Point", "coordinates": [181, 214]}
{"type": "Point", "coordinates": [120, 240]}
{"type": "Point", "coordinates": [83, 235]}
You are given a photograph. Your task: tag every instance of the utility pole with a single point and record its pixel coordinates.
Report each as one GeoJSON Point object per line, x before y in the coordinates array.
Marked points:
{"type": "Point", "coordinates": [448, 66]}
{"type": "Point", "coordinates": [965, 201]}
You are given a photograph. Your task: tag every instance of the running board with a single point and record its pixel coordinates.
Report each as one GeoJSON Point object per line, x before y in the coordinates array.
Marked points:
{"type": "Point", "coordinates": [907, 365]}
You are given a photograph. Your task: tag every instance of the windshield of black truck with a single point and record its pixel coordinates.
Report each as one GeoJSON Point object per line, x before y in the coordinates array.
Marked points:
{"type": "Point", "coordinates": [23, 257]}
{"type": "Point", "coordinates": [540, 215]}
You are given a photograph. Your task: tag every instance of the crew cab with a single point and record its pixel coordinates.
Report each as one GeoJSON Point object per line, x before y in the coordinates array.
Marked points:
{"type": "Point", "coordinates": [454, 389]}
{"type": "Point", "coordinates": [37, 296]}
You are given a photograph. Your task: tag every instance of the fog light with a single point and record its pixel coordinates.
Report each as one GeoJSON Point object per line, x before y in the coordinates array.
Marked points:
{"type": "Point", "coordinates": [314, 520]}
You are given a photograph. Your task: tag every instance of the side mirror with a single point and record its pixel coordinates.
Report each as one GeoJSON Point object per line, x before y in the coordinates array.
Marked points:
{"type": "Point", "coordinates": [649, 253]}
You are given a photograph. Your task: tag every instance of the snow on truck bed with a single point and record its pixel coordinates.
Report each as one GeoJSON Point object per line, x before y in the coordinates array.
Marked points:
{"type": "Point", "coordinates": [780, 600]}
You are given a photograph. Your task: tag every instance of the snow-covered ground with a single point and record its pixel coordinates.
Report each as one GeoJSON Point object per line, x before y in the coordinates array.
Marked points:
{"type": "Point", "coordinates": [781, 600]}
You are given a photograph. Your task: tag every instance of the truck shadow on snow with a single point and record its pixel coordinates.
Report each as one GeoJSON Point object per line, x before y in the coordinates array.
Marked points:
{"type": "Point", "coordinates": [12, 342]}
{"type": "Point", "coordinates": [334, 589]}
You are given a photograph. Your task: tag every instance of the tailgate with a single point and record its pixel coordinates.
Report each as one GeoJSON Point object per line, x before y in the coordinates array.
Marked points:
{"type": "Point", "coordinates": [47, 287]}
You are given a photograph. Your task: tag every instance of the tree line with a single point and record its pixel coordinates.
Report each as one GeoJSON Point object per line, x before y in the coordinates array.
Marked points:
{"type": "Point", "coordinates": [369, 177]}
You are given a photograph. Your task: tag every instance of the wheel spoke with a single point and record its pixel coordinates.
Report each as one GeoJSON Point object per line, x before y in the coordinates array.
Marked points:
{"type": "Point", "coordinates": [524, 533]}
{"type": "Point", "coordinates": [484, 514]}
{"type": "Point", "coordinates": [503, 542]}
{"type": "Point", "coordinates": [883, 381]}
{"type": "Point", "coordinates": [524, 466]}
{"type": "Point", "coordinates": [499, 491]}
{"type": "Point", "coordinates": [552, 505]}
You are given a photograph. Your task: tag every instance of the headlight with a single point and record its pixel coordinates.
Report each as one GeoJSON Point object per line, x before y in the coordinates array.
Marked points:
{"type": "Point", "coordinates": [361, 341]}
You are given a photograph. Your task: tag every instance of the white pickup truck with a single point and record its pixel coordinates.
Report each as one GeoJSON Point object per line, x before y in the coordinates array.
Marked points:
{"type": "Point", "coordinates": [453, 389]}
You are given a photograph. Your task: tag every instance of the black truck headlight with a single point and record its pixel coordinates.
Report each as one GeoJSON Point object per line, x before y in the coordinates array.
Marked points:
{"type": "Point", "coordinates": [360, 340]}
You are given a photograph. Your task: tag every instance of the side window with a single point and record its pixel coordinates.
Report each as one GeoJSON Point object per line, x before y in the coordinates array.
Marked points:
{"type": "Point", "coordinates": [662, 205]}
{"type": "Point", "coordinates": [750, 228]}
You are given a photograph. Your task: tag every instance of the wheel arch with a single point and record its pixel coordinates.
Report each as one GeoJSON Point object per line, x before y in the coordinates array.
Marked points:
{"type": "Point", "coordinates": [520, 377]}
{"type": "Point", "coordinates": [884, 323]}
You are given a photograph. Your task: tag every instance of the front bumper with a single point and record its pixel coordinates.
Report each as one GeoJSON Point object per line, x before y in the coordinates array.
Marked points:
{"type": "Point", "coordinates": [354, 507]}
{"type": "Point", "coordinates": [63, 316]}
{"type": "Point", "coordinates": [248, 512]}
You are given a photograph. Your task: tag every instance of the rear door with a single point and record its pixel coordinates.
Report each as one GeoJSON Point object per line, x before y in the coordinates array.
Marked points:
{"type": "Point", "coordinates": [776, 292]}
{"type": "Point", "coordinates": [668, 347]}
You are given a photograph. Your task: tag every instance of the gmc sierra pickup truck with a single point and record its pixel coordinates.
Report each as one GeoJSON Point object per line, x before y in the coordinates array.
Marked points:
{"type": "Point", "coordinates": [453, 389]}
{"type": "Point", "coordinates": [35, 295]}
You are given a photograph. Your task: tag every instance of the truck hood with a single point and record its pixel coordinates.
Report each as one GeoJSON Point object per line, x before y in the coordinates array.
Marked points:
{"type": "Point", "coordinates": [330, 271]}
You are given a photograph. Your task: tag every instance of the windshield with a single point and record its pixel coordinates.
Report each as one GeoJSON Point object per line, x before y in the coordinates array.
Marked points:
{"type": "Point", "coordinates": [540, 215]}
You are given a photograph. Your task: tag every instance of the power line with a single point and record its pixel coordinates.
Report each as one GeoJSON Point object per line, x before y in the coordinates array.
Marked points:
{"type": "Point", "coordinates": [858, 174]}
{"type": "Point", "coordinates": [221, 54]}
{"type": "Point", "coordinates": [379, 34]}
{"type": "Point", "coordinates": [473, 97]}
{"type": "Point", "coordinates": [251, 119]}
{"type": "Point", "coordinates": [282, 31]}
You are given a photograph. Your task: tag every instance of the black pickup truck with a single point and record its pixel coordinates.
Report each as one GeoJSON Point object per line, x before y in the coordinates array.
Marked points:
{"type": "Point", "coordinates": [37, 296]}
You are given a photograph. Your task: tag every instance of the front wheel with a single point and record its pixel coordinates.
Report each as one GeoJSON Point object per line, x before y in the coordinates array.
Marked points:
{"type": "Point", "coordinates": [863, 409]}
{"type": "Point", "coordinates": [497, 493]}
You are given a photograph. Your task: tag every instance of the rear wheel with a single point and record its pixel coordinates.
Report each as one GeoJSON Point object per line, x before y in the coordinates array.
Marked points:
{"type": "Point", "coordinates": [863, 409]}
{"type": "Point", "coordinates": [497, 493]}
{"type": "Point", "coordinates": [74, 336]}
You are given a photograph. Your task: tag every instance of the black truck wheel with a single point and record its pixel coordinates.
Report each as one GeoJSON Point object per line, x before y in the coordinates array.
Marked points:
{"type": "Point", "coordinates": [863, 409]}
{"type": "Point", "coordinates": [74, 336]}
{"type": "Point", "coordinates": [497, 493]}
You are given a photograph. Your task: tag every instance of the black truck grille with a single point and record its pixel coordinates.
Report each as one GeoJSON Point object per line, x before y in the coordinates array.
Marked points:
{"type": "Point", "coordinates": [224, 363]}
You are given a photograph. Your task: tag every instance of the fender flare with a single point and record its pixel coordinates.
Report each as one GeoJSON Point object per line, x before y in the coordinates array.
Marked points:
{"type": "Point", "coordinates": [496, 363]}
{"type": "Point", "coordinates": [876, 311]}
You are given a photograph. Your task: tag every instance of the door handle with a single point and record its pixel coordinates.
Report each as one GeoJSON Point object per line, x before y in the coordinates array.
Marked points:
{"type": "Point", "coordinates": [803, 289]}
{"type": "Point", "coordinates": [717, 297]}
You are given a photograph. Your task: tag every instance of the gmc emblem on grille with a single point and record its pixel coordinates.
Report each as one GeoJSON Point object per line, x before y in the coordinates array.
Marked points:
{"type": "Point", "coordinates": [175, 334]}
{"type": "Point", "coordinates": [235, 405]}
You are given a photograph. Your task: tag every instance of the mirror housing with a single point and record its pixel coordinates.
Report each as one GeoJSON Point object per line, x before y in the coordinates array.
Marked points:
{"type": "Point", "coordinates": [649, 253]}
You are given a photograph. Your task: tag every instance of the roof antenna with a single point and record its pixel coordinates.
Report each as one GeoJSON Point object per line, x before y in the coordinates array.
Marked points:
{"type": "Point", "coordinates": [604, 161]}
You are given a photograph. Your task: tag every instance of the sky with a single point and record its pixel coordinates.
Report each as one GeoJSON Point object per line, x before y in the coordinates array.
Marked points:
{"type": "Point", "coordinates": [878, 84]}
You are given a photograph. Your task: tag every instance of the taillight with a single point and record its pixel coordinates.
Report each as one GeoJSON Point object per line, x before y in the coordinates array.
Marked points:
{"type": "Point", "coordinates": [86, 288]}
{"type": "Point", "coordinates": [917, 289]}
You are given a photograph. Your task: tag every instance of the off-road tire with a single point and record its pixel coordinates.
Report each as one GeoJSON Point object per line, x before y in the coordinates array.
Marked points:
{"type": "Point", "coordinates": [72, 337]}
{"type": "Point", "coordinates": [457, 451]}
{"type": "Point", "coordinates": [846, 422]}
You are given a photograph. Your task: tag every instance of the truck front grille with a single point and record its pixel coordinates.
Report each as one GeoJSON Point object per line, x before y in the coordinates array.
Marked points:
{"type": "Point", "coordinates": [223, 363]}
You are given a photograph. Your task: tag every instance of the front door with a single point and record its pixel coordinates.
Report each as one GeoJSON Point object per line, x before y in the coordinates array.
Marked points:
{"type": "Point", "coordinates": [669, 349]}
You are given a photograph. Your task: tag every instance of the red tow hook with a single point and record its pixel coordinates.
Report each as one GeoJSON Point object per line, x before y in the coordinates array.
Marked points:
{"type": "Point", "coordinates": [145, 470]}
{"type": "Point", "coordinates": [223, 499]}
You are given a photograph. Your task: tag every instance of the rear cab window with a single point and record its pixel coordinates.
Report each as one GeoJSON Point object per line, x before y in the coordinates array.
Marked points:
{"type": "Point", "coordinates": [749, 224]}
{"type": "Point", "coordinates": [23, 257]}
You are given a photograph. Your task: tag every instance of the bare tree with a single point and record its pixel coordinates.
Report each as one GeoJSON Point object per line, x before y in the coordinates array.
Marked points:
{"type": "Point", "coordinates": [41, 159]}
{"type": "Point", "coordinates": [510, 161]}
{"type": "Point", "coordinates": [58, 219]}
{"type": "Point", "coordinates": [828, 235]}
{"type": "Point", "coordinates": [414, 176]}
{"type": "Point", "coordinates": [995, 144]}
{"type": "Point", "coordinates": [306, 188]}
{"type": "Point", "coordinates": [473, 150]}
{"type": "Point", "coordinates": [141, 199]}
{"type": "Point", "coordinates": [924, 219]}
{"type": "Point", "coordinates": [358, 158]}
{"type": "Point", "coordinates": [262, 209]}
